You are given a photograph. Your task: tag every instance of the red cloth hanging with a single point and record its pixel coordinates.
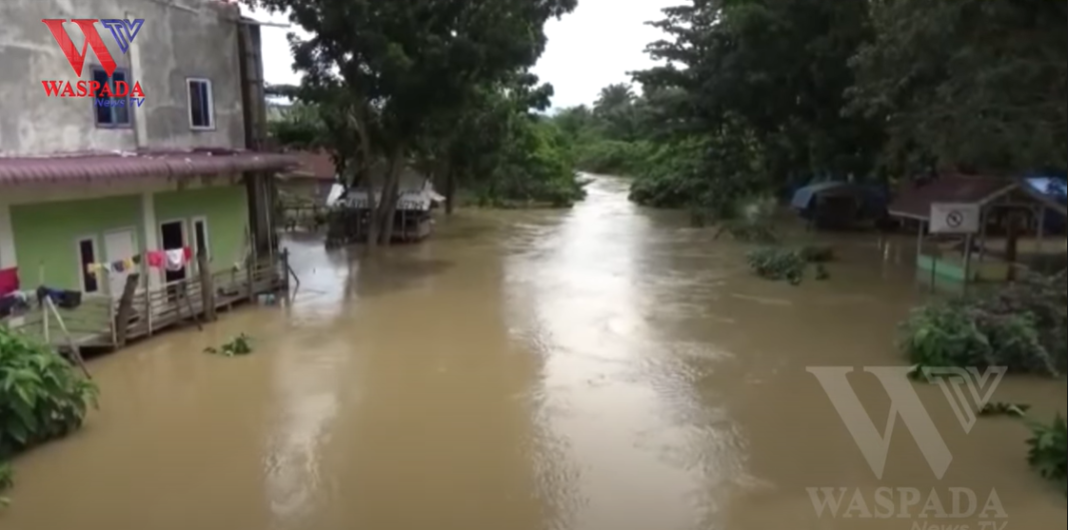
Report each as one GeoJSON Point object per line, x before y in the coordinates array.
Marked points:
{"type": "Point", "coordinates": [9, 281]}
{"type": "Point", "coordinates": [156, 259]}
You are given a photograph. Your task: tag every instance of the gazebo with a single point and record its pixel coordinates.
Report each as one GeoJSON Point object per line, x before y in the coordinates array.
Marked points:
{"type": "Point", "coordinates": [975, 228]}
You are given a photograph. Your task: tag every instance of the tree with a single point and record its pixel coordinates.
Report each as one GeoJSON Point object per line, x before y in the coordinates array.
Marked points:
{"type": "Point", "coordinates": [975, 84]}
{"type": "Point", "coordinates": [387, 69]}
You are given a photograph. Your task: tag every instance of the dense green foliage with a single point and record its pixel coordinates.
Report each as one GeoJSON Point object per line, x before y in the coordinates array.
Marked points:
{"type": "Point", "coordinates": [755, 96]}
{"type": "Point", "coordinates": [789, 264]}
{"type": "Point", "coordinates": [7, 480]}
{"type": "Point", "coordinates": [1048, 444]}
{"type": "Point", "coordinates": [1021, 327]}
{"type": "Point", "coordinates": [42, 397]}
{"type": "Point", "coordinates": [239, 346]}
{"type": "Point", "coordinates": [420, 82]}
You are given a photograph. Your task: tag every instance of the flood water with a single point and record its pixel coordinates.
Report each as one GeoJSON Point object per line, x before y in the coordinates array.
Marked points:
{"type": "Point", "coordinates": [603, 368]}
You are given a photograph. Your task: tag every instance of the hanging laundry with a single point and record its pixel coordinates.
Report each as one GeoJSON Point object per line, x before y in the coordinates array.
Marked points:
{"type": "Point", "coordinates": [136, 260]}
{"type": "Point", "coordinates": [177, 258]}
{"type": "Point", "coordinates": [9, 281]}
{"type": "Point", "coordinates": [188, 254]}
{"type": "Point", "coordinates": [118, 267]}
{"type": "Point", "coordinates": [156, 259]}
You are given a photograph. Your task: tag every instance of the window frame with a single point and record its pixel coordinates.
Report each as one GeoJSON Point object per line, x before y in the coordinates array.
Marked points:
{"type": "Point", "coordinates": [93, 70]}
{"type": "Point", "coordinates": [83, 273]}
{"type": "Point", "coordinates": [210, 104]}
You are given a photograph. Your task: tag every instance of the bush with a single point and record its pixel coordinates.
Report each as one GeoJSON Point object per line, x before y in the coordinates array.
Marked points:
{"type": "Point", "coordinates": [42, 396]}
{"type": "Point", "coordinates": [1047, 454]}
{"type": "Point", "coordinates": [6, 481]}
{"type": "Point", "coordinates": [1021, 327]}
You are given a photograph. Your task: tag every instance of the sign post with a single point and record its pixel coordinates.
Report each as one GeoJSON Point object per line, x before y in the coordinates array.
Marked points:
{"type": "Point", "coordinates": [961, 219]}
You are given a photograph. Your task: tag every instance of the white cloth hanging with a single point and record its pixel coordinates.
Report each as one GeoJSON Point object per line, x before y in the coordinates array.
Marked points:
{"type": "Point", "coordinates": [175, 259]}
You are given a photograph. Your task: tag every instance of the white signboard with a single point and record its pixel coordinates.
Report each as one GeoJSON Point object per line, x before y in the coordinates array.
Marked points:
{"type": "Point", "coordinates": [954, 218]}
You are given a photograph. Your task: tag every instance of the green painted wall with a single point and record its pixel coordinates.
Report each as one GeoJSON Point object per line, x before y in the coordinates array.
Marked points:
{"type": "Point", "coordinates": [46, 234]}
{"type": "Point", "coordinates": [226, 209]}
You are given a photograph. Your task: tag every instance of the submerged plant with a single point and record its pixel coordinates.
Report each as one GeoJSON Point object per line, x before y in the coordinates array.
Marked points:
{"type": "Point", "coordinates": [778, 263]}
{"type": "Point", "coordinates": [7, 480]}
{"type": "Point", "coordinates": [1021, 327]}
{"type": "Point", "coordinates": [42, 396]}
{"type": "Point", "coordinates": [1047, 453]}
{"type": "Point", "coordinates": [241, 345]}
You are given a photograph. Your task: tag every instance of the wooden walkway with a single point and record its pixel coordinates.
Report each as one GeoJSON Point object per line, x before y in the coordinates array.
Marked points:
{"type": "Point", "coordinates": [110, 323]}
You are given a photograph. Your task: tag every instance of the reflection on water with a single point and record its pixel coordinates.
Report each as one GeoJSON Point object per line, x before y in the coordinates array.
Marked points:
{"type": "Point", "coordinates": [603, 368]}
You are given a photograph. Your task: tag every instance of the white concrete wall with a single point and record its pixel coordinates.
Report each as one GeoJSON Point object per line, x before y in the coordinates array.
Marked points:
{"type": "Point", "coordinates": [179, 39]}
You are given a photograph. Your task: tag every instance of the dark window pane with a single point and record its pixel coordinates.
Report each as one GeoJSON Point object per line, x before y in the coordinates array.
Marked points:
{"type": "Point", "coordinates": [198, 104]}
{"type": "Point", "coordinates": [121, 114]}
{"type": "Point", "coordinates": [103, 113]}
{"type": "Point", "coordinates": [202, 238]}
{"type": "Point", "coordinates": [87, 257]}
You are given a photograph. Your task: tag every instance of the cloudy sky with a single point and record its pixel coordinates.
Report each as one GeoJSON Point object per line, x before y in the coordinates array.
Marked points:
{"type": "Point", "coordinates": [594, 46]}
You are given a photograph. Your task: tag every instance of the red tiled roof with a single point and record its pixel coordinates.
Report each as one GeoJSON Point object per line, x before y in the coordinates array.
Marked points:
{"type": "Point", "coordinates": [178, 164]}
{"type": "Point", "coordinates": [915, 200]}
{"type": "Point", "coordinates": [318, 166]}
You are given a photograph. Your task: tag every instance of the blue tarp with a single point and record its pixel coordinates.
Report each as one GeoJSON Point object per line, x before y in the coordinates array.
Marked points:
{"type": "Point", "coordinates": [873, 195]}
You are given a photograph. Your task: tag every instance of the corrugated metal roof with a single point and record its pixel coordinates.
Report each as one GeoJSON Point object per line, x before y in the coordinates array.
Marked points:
{"type": "Point", "coordinates": [96, 167]}
{"type": "Point", "coordinates": [915, 201]}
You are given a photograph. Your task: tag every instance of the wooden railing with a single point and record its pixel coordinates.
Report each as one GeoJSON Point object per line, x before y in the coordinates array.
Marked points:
{"type": "Point", "coordinates": [110, 322]}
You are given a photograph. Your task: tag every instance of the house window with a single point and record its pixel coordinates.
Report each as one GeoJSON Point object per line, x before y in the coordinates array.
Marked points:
{"type": "Point", "coordinates": [200, 232]}
{"type": "Point", "coordinates": [201, 105]}
{"type": "Point", "coordinates": [86, 257]}
{"type": "Point", "coordinates": [111, 111]}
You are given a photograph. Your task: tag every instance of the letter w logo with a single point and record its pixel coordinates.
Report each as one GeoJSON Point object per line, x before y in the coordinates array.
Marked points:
{"type": "Point", "coordinates": [92, 40]}
{"type": "Point", "coordinates": [904, 402]}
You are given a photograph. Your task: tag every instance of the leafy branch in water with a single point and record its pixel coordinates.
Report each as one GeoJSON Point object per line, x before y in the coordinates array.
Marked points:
{"type": "Point", "coordinates": [1047, 453]}
{"type": "Point", "coordinates": [1021, 327]}
{"type": "Point", "coordinates": [241, 345]}
{"type": "Point", "coordinates": [42, 397]}
{"type": "Point", "coordinates": [778, 263]}
{"type": "Point", "coordinates": [1017, 410]}
{"type": "Point", "coordinates": [7, 480]}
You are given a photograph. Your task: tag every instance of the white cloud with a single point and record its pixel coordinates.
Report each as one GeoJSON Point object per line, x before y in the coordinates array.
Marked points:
{"type": "Point", "coordinates": [588, 49]}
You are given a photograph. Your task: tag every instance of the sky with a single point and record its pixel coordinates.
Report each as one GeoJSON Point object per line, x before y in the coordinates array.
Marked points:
{"type": "Point", "coordinates": [594, 46]}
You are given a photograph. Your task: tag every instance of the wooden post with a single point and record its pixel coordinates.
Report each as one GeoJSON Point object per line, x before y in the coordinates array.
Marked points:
{"type": "Point", "coordinates": [285, 269]}
{"type": "Point", "coordinates": [248, 275]}
{"type": "Point", "coordinates": [967, 261]}
{"type": "Point", "coordinates": [1041, 229]}
{"type": "Point", "coordinates": [121, 322]}
{"type": "Point", "coordinates": [44, 313]}
{"type": "Point", "coordinates": [207, 287]}
{"type": "Point", "coordinates": [148, 310]}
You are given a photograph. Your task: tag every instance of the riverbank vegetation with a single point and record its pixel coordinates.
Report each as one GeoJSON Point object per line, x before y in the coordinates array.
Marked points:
{"type": "Point", "coordinates": [1021, 327]}
{"type": "Point", "coordinates": [444, 87]}
{"type": "Point", "coordinates": [757, 96]}
{"type": "Point", "coordinates": [42, 397]}
{"type": "Point", "coordinates": [1048, 444]}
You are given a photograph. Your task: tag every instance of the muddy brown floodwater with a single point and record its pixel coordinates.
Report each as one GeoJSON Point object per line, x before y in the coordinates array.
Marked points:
{"type": "Point", "coordinates": [603, 368]}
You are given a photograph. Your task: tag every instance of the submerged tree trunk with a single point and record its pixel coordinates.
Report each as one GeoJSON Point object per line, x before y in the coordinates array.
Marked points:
{"type": "Point", "coordinates": [387, 206]}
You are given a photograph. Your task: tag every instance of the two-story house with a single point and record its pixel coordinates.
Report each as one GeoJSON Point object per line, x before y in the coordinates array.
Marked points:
{"type": "Point", "coordinates": [129, 127]}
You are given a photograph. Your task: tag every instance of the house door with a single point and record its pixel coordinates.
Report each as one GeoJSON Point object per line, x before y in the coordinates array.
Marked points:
{"type": "Point", "coordinates": [173, 237]}
{"type": "Point", "coordinates": [119, 245]}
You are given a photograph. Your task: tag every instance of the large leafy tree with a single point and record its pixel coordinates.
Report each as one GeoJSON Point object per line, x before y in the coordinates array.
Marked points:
{"type": "Point", "coordinates": [974, 84]}
{"type": "Point", "coordinates": [388, 69]}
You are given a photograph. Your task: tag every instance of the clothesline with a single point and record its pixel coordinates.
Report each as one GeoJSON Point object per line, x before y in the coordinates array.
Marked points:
{"type": "Point", "coordinates": [171, 260]}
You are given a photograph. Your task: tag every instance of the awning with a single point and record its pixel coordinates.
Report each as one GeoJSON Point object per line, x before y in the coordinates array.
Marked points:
{"type": "Point", "coordinates": [915, 201]}
{"type": "Point", "coordinates": [91, 168]}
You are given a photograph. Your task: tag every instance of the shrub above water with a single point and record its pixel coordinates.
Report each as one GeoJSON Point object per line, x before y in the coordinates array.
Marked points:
{"type": "Point", "coordinates": [1047, 454]}
{"type": "Point", "coordinates": [1021, 327]}
{"type": "Point", "coordinates": [42, 396]}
